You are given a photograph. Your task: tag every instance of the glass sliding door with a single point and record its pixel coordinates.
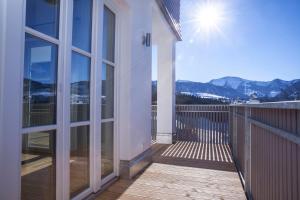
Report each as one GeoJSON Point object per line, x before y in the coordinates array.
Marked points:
{"type": "Point", "coordinates": [107, 101]}
{"type": "Point", "coordinates": [58, 120]}
{"type": "Point", "coordinates": [38, 165]}
{"type": "Point", "coordinates": [39, 133]}
{"type": "Point", "coordinates": [39, 86]}
{"type": "Point", "coordinates": [107, 150]}
{"type": "Point", "coordinates": [79, 160]}
{"type": "Point", "coordinates": [80, 97]}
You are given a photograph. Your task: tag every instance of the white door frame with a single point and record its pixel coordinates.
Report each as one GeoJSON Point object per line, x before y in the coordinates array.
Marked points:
{"type": "Point", "coordinates": [12, 90]}
{"type": "Point", "coordinates": [113, 6]}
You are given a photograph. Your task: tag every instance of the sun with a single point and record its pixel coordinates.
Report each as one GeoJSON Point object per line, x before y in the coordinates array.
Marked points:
{"type": "Point", "coordinates": [210, 17]}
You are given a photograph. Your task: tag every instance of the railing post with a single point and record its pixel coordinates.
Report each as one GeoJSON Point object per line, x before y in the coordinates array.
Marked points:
{"type": "Point", "coordinates": [247, 173]}
{"type": "Point", "coordinates": [234, 135]}
{"type": "Point", "coordinates": [230, 126]}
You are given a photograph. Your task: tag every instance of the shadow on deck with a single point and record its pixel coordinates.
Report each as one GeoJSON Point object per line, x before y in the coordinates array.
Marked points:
{"type": "Point", "coordinates": [183, 171]}
{"type": "Point", "coordinates": [196, 154]}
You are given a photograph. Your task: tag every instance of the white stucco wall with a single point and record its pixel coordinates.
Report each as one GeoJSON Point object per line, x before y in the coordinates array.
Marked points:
{"type": "Point", "coordinates": [2, 12]}
{"type": "Point", "coordinates": [140, 17]}
{"type": "Point", "coordinates": [165, 40]}
{"type": "Point", "coordinates": [11, 38]}
{"type": "Point", "coordinates": [135, 80]}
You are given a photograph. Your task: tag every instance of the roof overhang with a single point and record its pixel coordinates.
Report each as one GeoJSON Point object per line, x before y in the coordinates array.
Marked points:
{"type": "Point", "coordinates": [175, 26]}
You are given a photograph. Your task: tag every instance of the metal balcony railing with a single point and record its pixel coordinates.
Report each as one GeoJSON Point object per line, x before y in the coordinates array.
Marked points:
{"type": "Point", "coordinates": [266, 148]}
{"type": "Point", "coordinates": [264, 140]}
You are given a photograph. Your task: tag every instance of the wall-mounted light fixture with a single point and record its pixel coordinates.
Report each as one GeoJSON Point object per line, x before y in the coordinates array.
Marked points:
{"type": "Point", "coordinates": [147, 39]}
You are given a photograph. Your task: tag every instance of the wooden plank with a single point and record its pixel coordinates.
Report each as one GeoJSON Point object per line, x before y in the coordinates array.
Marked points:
{"type": "Point", "coordinates": [268, 166]}
{"type": "Point", "coordinates": [281, 188]}
{"type": "Point", "coordinates": [280, 132]}
{"type": "Point", "coordinates": [252, 161]}
{"type": "Point", "coordinates": [278, 167]}
{"type": "Point", "coordinates": [263, 163]}
{"type": "Point", "coordinates": [289, 169]}
{"type": "Point", "coordinates": [294, 170]}
{"type": "Point", "coordinates": [174, 181]}
{"type": "Point", "coordinates": [254, 170]}
{"type": "Point", "coordinates": [298, 123]}
{"type": "Point", "coordinates": [294, 121]}
{"type": "Point", "coordinates": [298, 170]}
{"type": "Point", "coordinates": [272, 168]}
{"type": "Point", "coordinates": [259, 169]}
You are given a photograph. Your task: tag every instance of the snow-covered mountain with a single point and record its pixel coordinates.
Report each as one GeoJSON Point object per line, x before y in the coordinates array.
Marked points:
{"type": "Point", "coordinates": [231, 82]}
{"type": "Point", "coordinates": [258, 88]}
{"type": "Point", "coordinates": [238, 88]}
{"type": "Point", "coordinates": [196, 89]}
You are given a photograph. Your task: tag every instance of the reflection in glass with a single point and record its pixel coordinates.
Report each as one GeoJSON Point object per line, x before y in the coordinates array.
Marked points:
{"type": "Point", "coordinates": [79, 160]}
{"type": "Point", "coordinates": [80, 88]}
{"type": "Point", "coordinates": [38, 172]}
{"type": "Point", "coordinates": [82, 24]}
{"type": "Point", "coordinates": [109, 35]}
{"type": "Point", "coordinates": [107, 91]}
{"type": "Point", "coordinates": [40, 78]}
{"type": "Point", "coordinates": [43, 16]}
{"type": "Point", "coordinates": [107, 149]}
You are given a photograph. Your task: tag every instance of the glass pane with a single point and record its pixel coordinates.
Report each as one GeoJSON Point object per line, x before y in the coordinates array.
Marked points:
{"type": "Point", "coordinates": [39, 89]}
{"type": "Point", "coordinates": [43, 16]}
{"type": "Point", "coordinates": [38, 172]}
{"type": "Point", "coordinates": [82, 24]}
{"type": "Point", "coordinates": [109, 35]}
{"type": "Point", "coordinates": [107, 149]}
{"type": "Point", "coordinates": [80, 88]}
{"type": "Point", "coordinates": [107, 91]}
{"type": "Point", "coordinates": [79, 160]}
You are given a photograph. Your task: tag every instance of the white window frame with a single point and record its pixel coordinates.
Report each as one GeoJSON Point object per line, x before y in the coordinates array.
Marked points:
{"type": "Point", "coordinates": [58, 127]}
{"type": "Point", "coordinates": [16, 13]}
{"type": "Point", "coordinates": [68, 124]}
{"type": "Point", "coordinates": [116, 65]}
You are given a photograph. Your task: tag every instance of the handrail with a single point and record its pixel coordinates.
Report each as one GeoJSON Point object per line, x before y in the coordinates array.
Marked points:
{"type": "Point", "coordinates": [279, 132]}
{"type": "Point", "coordinates": [265, 141]}
{"type": "Point", "coordinates": [274, 105]}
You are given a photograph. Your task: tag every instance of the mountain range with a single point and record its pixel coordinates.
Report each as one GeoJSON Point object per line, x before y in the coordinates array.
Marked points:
{"type": "Point", "coordinates": [238, 88]}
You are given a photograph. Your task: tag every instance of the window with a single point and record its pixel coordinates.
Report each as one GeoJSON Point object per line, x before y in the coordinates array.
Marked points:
{"type": "Point", "coordinates": [39, 87]}
{"type": "Point", "coordinates": [107, 100]}
{"type": "Point", "coordinates": [82, 24]}
{"type": "Point", "coordinates": [80, 88]}
{"type": "Point", "coordinates": [109, 35]}
{"type": "Point", "coordinates": [107, 91]}
{"type": "Point", "coordinates": [48, 73]}
{"type": "Point", "coordinates": [43, 16]}
{"type": "Point", "coordinates": [79, 160]}
{"type": "Point", "coordinates": [38, 172]}
{"type": "Point", "coordinates": [80, 97]}
{"type": "Point", "coordinates": [107, 148]}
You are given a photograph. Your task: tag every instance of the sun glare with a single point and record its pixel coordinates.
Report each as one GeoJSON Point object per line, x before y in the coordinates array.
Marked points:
{"type": "Point", "coordinates": [210, 17]}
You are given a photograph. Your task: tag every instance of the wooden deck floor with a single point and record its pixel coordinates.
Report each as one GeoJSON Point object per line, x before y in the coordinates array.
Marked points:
{"type": "Point", "coordinates": [183, 175]}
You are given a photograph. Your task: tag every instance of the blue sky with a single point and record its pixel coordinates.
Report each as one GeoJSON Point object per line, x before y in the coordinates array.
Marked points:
{"type": "Point", "coordinates": [259, 40]}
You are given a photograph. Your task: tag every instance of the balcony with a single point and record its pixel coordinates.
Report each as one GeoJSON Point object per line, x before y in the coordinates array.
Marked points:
{"type": "Point", "coordinates": [222, 152]}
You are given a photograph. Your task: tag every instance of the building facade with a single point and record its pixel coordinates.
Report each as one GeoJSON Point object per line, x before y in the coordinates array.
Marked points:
{"type": "Point", "coordinates": [75, 92]}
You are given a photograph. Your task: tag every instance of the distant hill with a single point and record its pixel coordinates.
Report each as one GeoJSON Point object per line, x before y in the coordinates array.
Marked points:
{"type": "Point", "coordinates": [248, 87]}
{"type": "Point", "coordinates": [292, 92]}
{"type": "Point", "coordinates": [234, 88]}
